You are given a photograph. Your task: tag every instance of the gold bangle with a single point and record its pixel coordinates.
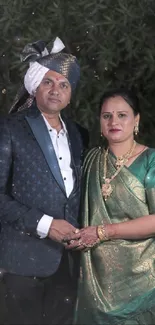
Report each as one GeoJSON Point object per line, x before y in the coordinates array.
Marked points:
{"type": "Point", "coordinates": [101, 232]}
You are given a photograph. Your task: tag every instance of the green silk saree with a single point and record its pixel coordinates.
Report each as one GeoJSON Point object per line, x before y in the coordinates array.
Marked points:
{"type": "Point", "coordinates": [117, 278]}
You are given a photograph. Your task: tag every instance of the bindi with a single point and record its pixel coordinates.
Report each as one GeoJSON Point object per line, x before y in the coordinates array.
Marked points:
{"type": "Point", "coordinates": [58, 78]}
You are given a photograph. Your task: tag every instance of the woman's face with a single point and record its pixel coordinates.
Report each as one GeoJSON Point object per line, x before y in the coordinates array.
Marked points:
{"type": "Point", "coordinates": [117, 120]}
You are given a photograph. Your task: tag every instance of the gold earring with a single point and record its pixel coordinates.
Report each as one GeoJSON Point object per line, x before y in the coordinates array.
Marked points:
{"type": "Point", "coordinates": [136, 129]}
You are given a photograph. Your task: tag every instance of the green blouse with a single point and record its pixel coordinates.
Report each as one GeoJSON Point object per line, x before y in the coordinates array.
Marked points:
{"type": "Point", "coordinates": [143, 168]}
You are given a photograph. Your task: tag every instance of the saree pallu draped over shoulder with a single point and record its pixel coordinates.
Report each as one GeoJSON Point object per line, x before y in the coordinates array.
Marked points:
{"type": "Point", "coordinates": [117, 278]}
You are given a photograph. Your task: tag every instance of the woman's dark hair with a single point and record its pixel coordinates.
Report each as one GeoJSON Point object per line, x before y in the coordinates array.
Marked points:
{"type": "Point", "coordinates": [128, 95]}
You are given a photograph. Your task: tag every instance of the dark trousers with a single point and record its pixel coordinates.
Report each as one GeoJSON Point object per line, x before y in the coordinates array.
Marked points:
{"type": "Point", "coordinates": [37, 301]}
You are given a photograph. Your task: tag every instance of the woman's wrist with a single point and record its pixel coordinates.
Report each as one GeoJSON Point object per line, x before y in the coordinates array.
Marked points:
{"type": "Point", "coordinates": [106, 232]}
{"type": "Point", "coordinates": [102, 233]}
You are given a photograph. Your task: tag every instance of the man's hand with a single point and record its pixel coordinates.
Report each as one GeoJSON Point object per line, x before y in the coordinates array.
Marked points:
{"type": "Point", "coordinates": [81, 240]}
{"type": "Point", "coordinates": [59, 229]}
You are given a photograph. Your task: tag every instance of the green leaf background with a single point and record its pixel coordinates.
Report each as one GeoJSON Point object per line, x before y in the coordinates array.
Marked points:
{"type": "Point", "coordinates": [114, 41]}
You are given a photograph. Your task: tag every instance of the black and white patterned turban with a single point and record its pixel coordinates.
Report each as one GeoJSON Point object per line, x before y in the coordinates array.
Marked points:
{"type": "Point", "coordinates": [41, 61]}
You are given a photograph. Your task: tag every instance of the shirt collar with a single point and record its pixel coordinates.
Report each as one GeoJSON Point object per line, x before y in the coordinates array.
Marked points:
{"type": "Point", "coordinates": [63, 125]}
{"type": "Point", "coordinates": [63, 130]}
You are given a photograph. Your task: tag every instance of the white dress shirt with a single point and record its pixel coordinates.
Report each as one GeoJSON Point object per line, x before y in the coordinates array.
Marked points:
{"type": "Point", "coordinates": [62, 151]}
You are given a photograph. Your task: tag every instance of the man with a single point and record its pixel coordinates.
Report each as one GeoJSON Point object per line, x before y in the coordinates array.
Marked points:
{"type": "Point", "coordinates": [40, 163]}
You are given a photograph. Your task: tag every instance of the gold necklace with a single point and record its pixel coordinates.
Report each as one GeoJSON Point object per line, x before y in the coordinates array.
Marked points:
{"type": "Point", "coordinates": [106, 187]}
{"type": "Point", "coordinates": [121, 160]}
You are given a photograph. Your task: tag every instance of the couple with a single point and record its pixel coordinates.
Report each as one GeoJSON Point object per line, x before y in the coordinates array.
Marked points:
{"type": "Point", "coordinates": [41, 158]}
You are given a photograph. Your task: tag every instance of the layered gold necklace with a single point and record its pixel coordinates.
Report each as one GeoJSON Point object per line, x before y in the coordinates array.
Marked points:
{"type": "Point", "coordinates": [120, 162]}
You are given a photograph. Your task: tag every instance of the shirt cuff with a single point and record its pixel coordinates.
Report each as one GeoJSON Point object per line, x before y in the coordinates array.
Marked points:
{"type": "Point", "coordinates": [44, 226]}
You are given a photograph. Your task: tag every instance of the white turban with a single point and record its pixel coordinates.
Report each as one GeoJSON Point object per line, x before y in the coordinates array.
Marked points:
{"type": "Point", "coordinates": [36, 71]}
{"type": "Point", "coordinates": [34, 76]}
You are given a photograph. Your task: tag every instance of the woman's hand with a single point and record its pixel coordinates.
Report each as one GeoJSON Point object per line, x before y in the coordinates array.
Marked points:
{"type": "Point", "coordinates": [84, 238]}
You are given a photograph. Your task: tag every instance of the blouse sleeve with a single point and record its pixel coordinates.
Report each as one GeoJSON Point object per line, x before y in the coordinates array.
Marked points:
{"type": "Point", "coordinates": [150, 181]}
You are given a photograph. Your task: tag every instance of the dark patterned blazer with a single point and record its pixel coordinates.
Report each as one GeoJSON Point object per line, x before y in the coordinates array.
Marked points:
{"type": "Point", "coordinates": [31, 185]}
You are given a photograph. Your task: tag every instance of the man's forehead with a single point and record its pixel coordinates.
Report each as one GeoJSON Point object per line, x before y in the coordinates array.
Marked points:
{"type": "Point", "coordinates": [55, 75]}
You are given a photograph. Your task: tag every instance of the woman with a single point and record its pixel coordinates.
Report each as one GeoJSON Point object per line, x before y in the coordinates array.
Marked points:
{"type": "Point", "coordinates": [117, 282]}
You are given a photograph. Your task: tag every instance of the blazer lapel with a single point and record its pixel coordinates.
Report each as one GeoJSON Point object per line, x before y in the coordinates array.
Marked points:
{"type": "Point", "coordinates": [73, 149]}
{"type": "Point", "coordinates": [40, 132]}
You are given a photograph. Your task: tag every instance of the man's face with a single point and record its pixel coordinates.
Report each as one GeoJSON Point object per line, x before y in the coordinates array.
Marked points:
{"type": "Point", "coordinates": [53, 93]}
